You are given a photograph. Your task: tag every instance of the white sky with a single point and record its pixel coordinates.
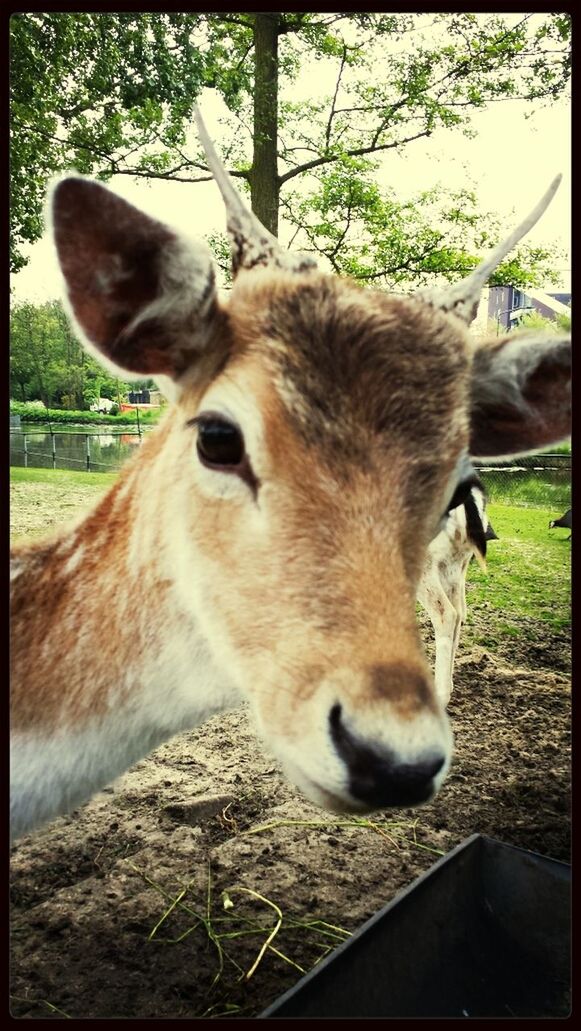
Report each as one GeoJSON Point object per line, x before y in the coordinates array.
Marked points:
{"type": "Point", "coordinates": [509, 163]}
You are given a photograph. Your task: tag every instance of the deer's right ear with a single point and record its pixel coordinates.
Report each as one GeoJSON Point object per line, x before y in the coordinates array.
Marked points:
{"type": "Point", "coordinates": [142, 296]}
{"type": "Point", "coordinates": [520, 394]}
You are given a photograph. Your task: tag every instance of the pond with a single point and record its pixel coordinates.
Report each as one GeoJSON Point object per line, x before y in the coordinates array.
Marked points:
{"type": "Point", "coordinates": [101, 448]}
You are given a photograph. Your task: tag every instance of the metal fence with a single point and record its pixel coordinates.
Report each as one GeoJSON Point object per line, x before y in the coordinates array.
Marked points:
{"type": "Point", "coordinates": [535, 481]}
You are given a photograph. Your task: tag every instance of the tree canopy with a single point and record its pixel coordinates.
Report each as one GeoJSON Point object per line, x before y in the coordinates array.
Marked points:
{"type": "Point", "coordinates": [117, 91]}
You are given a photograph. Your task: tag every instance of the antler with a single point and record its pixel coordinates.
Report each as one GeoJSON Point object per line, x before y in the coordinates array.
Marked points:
{"type": "Point", "coordinates": [250, 242]}
{"type": "Point", "coordinates": [463, 297]}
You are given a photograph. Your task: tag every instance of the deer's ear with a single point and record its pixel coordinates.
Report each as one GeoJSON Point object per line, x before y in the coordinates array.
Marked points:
{"type": "Point", "coordinates": [520, 394]}
{"type": "Point", "coordinates": [143, 297]}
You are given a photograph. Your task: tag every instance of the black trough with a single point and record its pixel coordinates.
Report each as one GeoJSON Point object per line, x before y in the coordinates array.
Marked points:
{"type": "Point", "coordinates": [484, 933]}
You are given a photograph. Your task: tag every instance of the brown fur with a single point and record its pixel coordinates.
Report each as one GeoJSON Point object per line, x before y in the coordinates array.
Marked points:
{"type": "Point", "coordinates": [344, 543]}
{"type": "Point", "coordinates": [357, 360]}
{"type": "Point", "coordinates": [52, 609]}
{"type": "Point", "coordinates": [406, 689]}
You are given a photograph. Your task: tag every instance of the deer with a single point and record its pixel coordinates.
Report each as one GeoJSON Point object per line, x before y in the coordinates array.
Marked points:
{"type": "Point", "coordinates": [266, 542]}
{"type": "Point", "coordinates": [442, 587]}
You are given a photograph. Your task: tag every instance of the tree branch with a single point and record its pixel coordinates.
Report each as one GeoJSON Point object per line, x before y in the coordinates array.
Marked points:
{"type": "Point", "coordinates": [171, 177]}
{"type": "Point", "coordinates": [343, 234]}
{"type": "Point", "coordinates": [228, 19]}
{"type": "Point", "coordinates": [305, 228]}
{"type": "Point", "coordinates": [355, 152]}
{"type": "Point", "coordinates": [140, 173]}
{"type": "Point", "coordinates": [334, 101]}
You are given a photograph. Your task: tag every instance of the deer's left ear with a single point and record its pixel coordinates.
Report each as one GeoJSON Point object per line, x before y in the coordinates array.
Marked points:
{"type": "Point", "coordinates": [520, 394]}
{"type": "Point", "coordinates": [142, 296]}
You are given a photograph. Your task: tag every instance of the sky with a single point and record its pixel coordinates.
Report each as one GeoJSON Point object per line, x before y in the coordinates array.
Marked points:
{"type": "Point", "coordinates": [509, 163]}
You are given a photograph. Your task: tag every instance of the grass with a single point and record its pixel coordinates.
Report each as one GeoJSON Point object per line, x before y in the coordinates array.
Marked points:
{"type": "Point", "coordinates": [61, 477]}
{"type": "Point", "coordinates": [528, 573]}
{"type": "Point", "coordinates": [392, 830]}
{"type": "Point", "coordinates": [41, 1002]}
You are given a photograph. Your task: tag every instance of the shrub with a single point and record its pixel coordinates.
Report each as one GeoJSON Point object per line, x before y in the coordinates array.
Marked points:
{"type": "Point", "coordinates": [30, 412]}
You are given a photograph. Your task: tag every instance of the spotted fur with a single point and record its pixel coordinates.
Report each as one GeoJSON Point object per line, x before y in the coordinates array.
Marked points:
{"type": "Point", "coordinates": [442, 589]}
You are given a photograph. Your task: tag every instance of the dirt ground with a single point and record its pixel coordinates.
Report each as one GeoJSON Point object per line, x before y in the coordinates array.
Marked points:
{"type": "Point", "coordinates": [118, 909]}
{"type": "Point", "coordinates": [35, 508]}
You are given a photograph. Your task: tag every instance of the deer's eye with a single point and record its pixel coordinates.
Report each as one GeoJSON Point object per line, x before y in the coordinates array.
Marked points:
{"type": "Point", "coordinates": [220, 443]}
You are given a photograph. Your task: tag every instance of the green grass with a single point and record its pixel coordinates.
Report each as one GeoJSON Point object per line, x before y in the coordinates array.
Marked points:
{"type": "Point", "coordinates": [61, 477]}
{"type": "Point", "coordinates": [529, 572]}
{"type": "Point", "coordinates": [229, 925]}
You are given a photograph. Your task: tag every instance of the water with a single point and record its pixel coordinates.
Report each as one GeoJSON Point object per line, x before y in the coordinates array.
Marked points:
{"type": "Point", "coordinates": [74, 447]}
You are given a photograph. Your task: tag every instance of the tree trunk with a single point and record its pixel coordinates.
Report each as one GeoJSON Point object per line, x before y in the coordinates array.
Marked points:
{"type": "Point", "coordinates": [264, 183]}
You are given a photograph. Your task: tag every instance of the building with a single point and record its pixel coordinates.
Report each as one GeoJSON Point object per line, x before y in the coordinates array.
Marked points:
{"type": "Point", "coordinates": [103, 405]}
{"type": "Point", "coordinates": [507, 305]}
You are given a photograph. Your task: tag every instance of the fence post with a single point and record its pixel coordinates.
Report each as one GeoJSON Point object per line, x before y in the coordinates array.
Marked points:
{"type": "Point", "coordinates": [53, 440]}
{"type": "Point", "coordinates": [25, 451]}
{"type": "Point", "coordinates": [87, 435]}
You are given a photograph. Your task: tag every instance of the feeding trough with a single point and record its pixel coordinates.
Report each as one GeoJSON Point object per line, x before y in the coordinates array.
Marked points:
{"type": "Point", "coordinates": [484, 933]}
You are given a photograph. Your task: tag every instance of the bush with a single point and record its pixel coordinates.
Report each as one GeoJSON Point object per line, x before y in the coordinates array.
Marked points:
{"type": "Point", "coordinates": [30, 412]}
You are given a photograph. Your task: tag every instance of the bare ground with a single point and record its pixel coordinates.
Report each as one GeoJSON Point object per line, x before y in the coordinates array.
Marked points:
{"type": "Point", "coordinates": [38, 507]}
{"type": "Point", "coordinates": [91, 890]}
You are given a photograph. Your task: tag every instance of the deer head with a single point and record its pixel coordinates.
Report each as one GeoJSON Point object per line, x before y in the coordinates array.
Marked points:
{"type": "Point", "coordinates": [317, 434]}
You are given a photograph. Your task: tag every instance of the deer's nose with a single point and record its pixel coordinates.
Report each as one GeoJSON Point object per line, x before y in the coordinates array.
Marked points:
{"type": "Point", "coordinates": [376, 776]}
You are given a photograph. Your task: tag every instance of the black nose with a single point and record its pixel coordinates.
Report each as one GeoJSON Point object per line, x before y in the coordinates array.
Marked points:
{"type": "Point", "coordinates": [378, 778]}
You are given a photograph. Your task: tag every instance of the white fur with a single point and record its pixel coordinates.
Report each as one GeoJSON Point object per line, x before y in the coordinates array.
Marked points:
{"type": "Point", "coordinates": [177, 691]}
{"type": "Point", "coordinates": [75, 560]}
{"type": "Point", "coordinates": [16, 568]}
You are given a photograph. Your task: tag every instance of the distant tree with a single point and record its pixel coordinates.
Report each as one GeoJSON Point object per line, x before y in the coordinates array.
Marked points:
{"type": "Point", "coordinates": [48, 363]}
{"type": "Point", "coordinates": [32, 348]}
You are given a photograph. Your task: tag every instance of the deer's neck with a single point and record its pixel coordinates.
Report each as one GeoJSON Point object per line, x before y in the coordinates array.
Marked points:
{"type": "Point", "coordinates": [109, 660]}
